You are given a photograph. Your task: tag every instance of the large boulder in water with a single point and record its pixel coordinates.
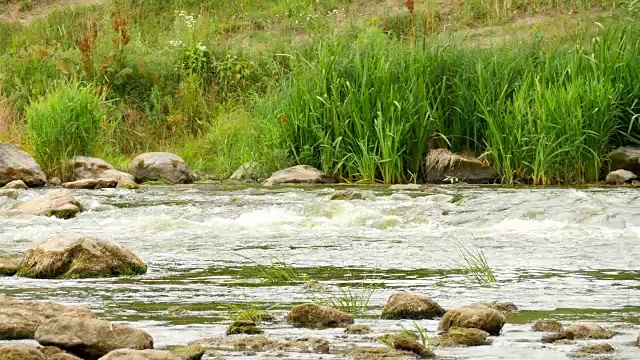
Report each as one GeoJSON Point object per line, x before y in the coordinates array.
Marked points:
{"type": "Point", "coordinates": [442, 164]}
{"type": "Point", "coordinates": [20, 352]}
{"type": "Point", "coordinates": [299, 174]}
{"type": "Point", "coordinates": [19, 319]}
{"type": "Point", "coordinates": [619, 177]}
{"type": "Point", "coordinates": [128, 354]}
{"type": "Point", "coordinates": [474, 316]}
{"type": "Point", "coordinates": [18, 165]}
{"type": "Point", "coordinates": [91, 338]}
{"type": "Point", "coordinates": [626, 158]}
{"type": "Point", "coordinates": [405, 305]}
{"type": "Point", "coordinates": [588, 331]}
{"type": "Point", "coordinates": [74, 255]}
{"type": "Point", "coordinates": [59, 203]}
{"type": "Point", "coordinates": [85, 167]}
{"type": "Point", "coordinates": [161, 166]}
{"type": "Point", "coordinates": [318, 315]}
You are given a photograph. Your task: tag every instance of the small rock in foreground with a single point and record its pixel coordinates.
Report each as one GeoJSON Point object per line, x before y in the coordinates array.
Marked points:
{"type": "Point", "coordinates": [407, 341]}
{"type": "Point", "coordinates": [20, 352]}
{"type": "Point", "coordinates": [620, 177]}
{"type": "Point", "coordinates": [16, 184]}
{"type": "Point", "coordinates": [357, 329]}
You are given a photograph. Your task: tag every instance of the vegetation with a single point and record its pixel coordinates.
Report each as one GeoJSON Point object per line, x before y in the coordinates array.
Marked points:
{"type": "Point", "coordinates": [352, 300]}
{"type": "Point", "coordinates": [360, 89]}
{"type": "Point", "coordinates": [475, 266]}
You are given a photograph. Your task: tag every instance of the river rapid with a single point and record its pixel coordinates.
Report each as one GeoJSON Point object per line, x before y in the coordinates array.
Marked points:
{"type": "Point", "coordinates": [565, 254]}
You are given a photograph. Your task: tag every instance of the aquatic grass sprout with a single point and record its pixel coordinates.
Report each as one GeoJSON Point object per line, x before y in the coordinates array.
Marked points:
{"type": "Point", "coordinates": [353, 300]}
{"type": "Point", "coordinates": [475, 266]}
{"type": "Point", "coordinates": [250, 311]}
{"type": "Point", "coordinates": [278, 271]}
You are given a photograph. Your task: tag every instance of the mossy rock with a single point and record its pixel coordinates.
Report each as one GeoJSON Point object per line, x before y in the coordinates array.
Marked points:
{"type": "Point", "coordinates": [474, 316]}
{"type": "Point", "coordinates": [9, 264]}
{"type": "Point", "coordinates": [558, 336]}
{"type": "Point", "coordinates": [380, 353]}
{"type": "Point", "coordinates": [357, 329]}
{"type": "Point", "coordinates": [313, 315]}
{"type": "Point", "coordinates": [188, 352]}
{"type": "Point", "coordinates": [462, 337]}
{"type": "Point", "coordinates": [404, 305]}
{"type": "Point", "coordinates": [406, 341]}
{"type": "Point", "coordinates": [348, 195]}
{"type": "Point", "coordinates": [20, 352]}
{"type": "Point", "coordinates": [244, 327]}
{"type": "Point", "coordinates": [595, 349]}
{"type": "Point", "coordinates": [589, 331]}
{"type": "Point", "coordinates": [547, 326]}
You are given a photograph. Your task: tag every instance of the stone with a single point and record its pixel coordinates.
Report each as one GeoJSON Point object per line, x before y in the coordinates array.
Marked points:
{"type": "Point", "coordinates": [379, 353]}
{"type": "Point", "coordinates": [626, 158]}
{"type": "Point", "coordinates": [16, 164]}
{"type": "Point", "coordinates": [81, 184]}
{"type": "Point", "coordinates": [161, 166]}
{"type": "Point", "coordinates": [91, 338]}
{"type": "Point", "coordinates": [54, 182]}
{"type": "Point", "coordinates": [20, 352]}
{"type": "Point", "coordinates": [619, 177]}
{"type": "Point", "coordinates": [63, 356]}
{"type": "Point", "coordinates": [127, 184]}
{"type": "Point", "coordinates": [149, 354]}
{"type": "Point", "coordinates": [406, 341]}
{"type": "Point", "coordinates": [357, 329]}
{"type": "Point", "coordinates": [106, 183]}
{"type": "Point", "coordinates": [349, 195]}
{"type": "Point", "coordinates": [407, 187]}
{"type": "Point", "coordinates": [313, 315]}
{"type": "Point", "coordinates": [547, 326]}
{"type": "Point", "coordinates": [19, 319]}
{"type": "Point", "coordinates": [504, 307]}
{"type": "Point", "coordinates": [16, 184]}
{"type": "Point", "coordinates": [244, 327]}
{"type": "Point", "coordinates": [58, 203]}
{"type": "Point", "coordinates": [442, 165]}
{"type": "Point", "coordinates": [558, 336]}
{"type": "Point", "coordinates": [85, 167]}
{"type": "Point", "coordinates": [462, 337]}
{"type": "Point", "coordinates": [595, 349]}
{"type": "Point", "coordinates": [589, 331]}
{"type": "Point", "coordinates": [299, 174]}
{"type": "Point", "coordinates": [247, 171]}
{"type": "Point", "coordinates": [188, 352]}
{"type": "Point", "coordinates": [10, 193]}
{"type": "Point", "coordinates": [474, 316]}
{"type": "Point", "coordinates": [404, 305]}
{"type": "Point", "coordinates": [263, 343]}
{"type": "Point", "coordinates": [9, 265]}
{"type": "Point", "coordinates": [74, 255]}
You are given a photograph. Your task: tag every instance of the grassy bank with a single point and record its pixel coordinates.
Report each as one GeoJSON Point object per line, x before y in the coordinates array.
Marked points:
{"type": "Point", "coordinates": [543, 90]}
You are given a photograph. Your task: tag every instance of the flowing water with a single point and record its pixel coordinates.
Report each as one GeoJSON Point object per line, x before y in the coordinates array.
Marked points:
{"type": "Point", "coordinates": [566, 254]}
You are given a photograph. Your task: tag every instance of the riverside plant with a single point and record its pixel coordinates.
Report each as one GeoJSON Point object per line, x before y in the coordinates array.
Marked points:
{"type": "Point", "coordinates": [353, 300]}
{"type": "Point", "coordinates": [278, 271]}
{"type": "Point", "coordinates": [250, 311]}
{"type": "Point", "coordinates": [475, 266]}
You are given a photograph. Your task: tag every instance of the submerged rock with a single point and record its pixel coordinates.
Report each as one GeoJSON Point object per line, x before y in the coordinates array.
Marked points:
{"type": "Point", "coordinates": [16, 184]}
{"type": "Point", "coordinates": [19, 319]}
{"type": "Point", "coordinates": [348, 195]}
{"type": "Point", "coordinates": [626, 158]}
{"type": "Point", "coordinates": [504, 307]}
{"type": "Point", "coordinates": [595, 349]}
{"type": "Point", "coordinates": [58, 203]}
{"type": "Point", "coordinates": [244, 327]}
{"type": "Point", "coordinates": [16, 164]}
{"type": "Point", "coordinates": [81, 184]}
{"type": "Point", "coordinates": [10, 193]}
{"type": "Point", "coordinates": [188, 352]}
{"type": "Point", "coordinates": [20, 352]}
{"type": "Point", "coordinates": [300, 174]}
{"type": "Point", "coordinates": [547, 326]}
{"type": "Point", "coordinates": [460, 337]}
{"type": "Point", "coordinates": [249, 171]}
{"type": "Point", "coordinates": [442, 164]}
{"type": "Point", "coordinates": [407, 187]}
{"type": "Point", "coordinates": [74, 255]}
{"type": "Point", "coordinates": [161, 166]}
{"type": "Point", "coordinates": [149, 354]}
{"type": "Point", "coordinates": [558, 336]}
{"type": "Point", "coordinates": [85, 167]}
{"type": "Point", "coordinates": [91, 338]}
{"type": "Point", "coordinates": [589, 331]}
{"type": "Point", "coordinates": [404, 305]}
{"type": "Point", "coordinates": [380, 353]}
{"type": "Point", "coordinates": [9, 265]}
{"type": "Point", "coordinates": [406, 341]}
{"type": "Point", "coordinates": [619, 177]}
{"type": "Point", "coordinates": [263, 343]}
{"type": "Point", "coordinates": [474, 316]}
{"type": "Point", "coordinates": [357, 329]}
{"type": "Point", "coordinates": [318, 315]}
{"type": "Point", "coordinates": [127, 184]}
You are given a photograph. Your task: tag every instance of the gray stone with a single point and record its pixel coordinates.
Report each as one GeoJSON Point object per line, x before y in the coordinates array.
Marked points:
{"type": "Point", "coordinates": [16, 184]}
{"type": "Point", "coordinates": [619, 177]}
{"type": "Point", "coordinates": [58, 203]}
{"type": "Point", "coordinates": [161, 166]}
{"type": "Point", "coordinates": [16, 164]}
{"type": "Point", "coordinates": [442, 165]}
{"type": "Point", "coordinates": [626, 158]}
{"type": "Point", "coordinates": [85, 167]}
{"type": "Point", "coordinates": [300, 174]}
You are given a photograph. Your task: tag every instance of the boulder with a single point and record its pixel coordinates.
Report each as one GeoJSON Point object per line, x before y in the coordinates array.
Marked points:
{"type": "Point", "coordinates": [161, 166]}
{"type": "Point", "coordinates": [379, 353]}
{"type": "Point", "coordinates": [407, 187]}
{"type": "Point", "coordinates": [263, 343]}
{"type": "Point", "coordinates": [85, 167]}
{"type": "Point", "coordinates": [504, 307]}
{"type": "Point", "coordinates": [129, 354]}
{"type": "Point", "coordinates": [626, 158]}
{"type": "Point", "coordinates": [18, 165]}
{"type": "Point", "coordinates": [318, 315]}
{"type": "Point", "coordinates": [619, 177]}
{"type": "Point", "coordinates": [589, 331]}
{"type": "Point", "coordinates": [8, 265]}
{"type": "Point", "coordinates": [547, 326]}
{"type": "Point", "coordinates": [20, 352]}
{"type": "Point", "coordinates": [244, 327]}
{"type": "Point", "coordinates": [54, 182]}
{"type": "Point", "coordinates": [300, 174]}
{"type": "Point", "coordinates": [10, 193]}
{"type": "Point", "coordinates": [461, 337]}
{"type": "Point", "coordinates": [248, 171]}
{"type": "Point", "coordinates": [474, 316]}
{"type": "Point", "coordinates": [107, 183]}
{"type": "Point", "coordinates": [406, 341]}
{"type": "Point", "coordinates": [405, 305]}
{"type": "Point", "coordinates": [442, 164]}
{"type": "Point", "coordinates": [72, 255]}
{"type": "Point", "coordinates": [357, 329]}
{"type": "Point", "coordinates": [188, 352]}
{"type": "Point", "coordinates": [127, 184]}
{"type": "Point", "coordinates": [16, 184]}
{"type": "Point", "coordinates": [558, 336]}
{"type": "Point", "coordinates": [349, 195]}
{"type": "Point", "coordinates": [63, 356]}
{"type": "Point", "coordinates": [81, 184]}
{"type": "Point", "coordinates": [595, 349]}
{"type": "Point", "coordinates": [58, 203]}
{"type": "Point", "coordinates": [91, 338]}
{"type": "Point", "coordinates": [19, 319]}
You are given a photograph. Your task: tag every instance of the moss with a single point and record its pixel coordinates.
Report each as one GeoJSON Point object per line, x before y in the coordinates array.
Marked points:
{"type": "Point", "coordinates": [460, 337]}
{"type": "Point", "coordinates": [244, 327]}
{"type": "Point", "coordinates": [357, 329]}
{"type": "Point", "coordinates": [596, 349]}
{"type": "Point", "coordinates": [188, 352]}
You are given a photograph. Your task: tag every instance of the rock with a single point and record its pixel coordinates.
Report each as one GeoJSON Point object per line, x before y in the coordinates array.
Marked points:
{"type": "Point", "coordinates": [247, 171]}
{"type": "Point", "coordinates": [81, 184]}
{"type": "Point", "coordinates": [161, 166]}
{"type": "Point", "coordinates": [558, 336]}
{"type": "Point", "coordinates": [127, 184]}
{"type": "Point", "coordinates": [504, 307]}
{"type": "Point", "coordinates": [20, 352]}
{"type": "Point", "coordinates": [442, 164]}
{"type": "Point", "coordinates": [244, 327]}
{"type": "Point", "coordinates": [300, 174]}
{"type": "Point", "coordinates": [149, 354]}
{"type": "Point", "coordinates": [459, 337]}
{"type": "Point", "coordinates": [595, 349]}
{"type": "Point", "coordinates": [85, 167]}
{"type": "Point", "coordinates": [318, 315]}
{"type": "Point", "coordinates": [91, 338]}
{"type": "Point", "coordinates": [474, 316]}
{"type": "Point", "coordinates": [589, 331]}
{"type": "Point", "coordinates": [63, 356]}
{"type": "Point", "coordinates": [379, 354]}
{"type": "Point", "coordinates": [348, 195]}
{"type": "Point", "coordinates": [547, 326]}
{"type": "Point", "coordinates": [20, 318]}
{"type": "Point", "coordinates": [357, 329]}
{"type": "Point", "coordinates": [407, 187]}
{"type": "Point", "coordinates": [8, 265]}
{"type": "Point", "coordinates": [72, 255]}
{"type": "Point", "coordinates": [406, 341]}
{"type": "Point", "coordinates": [107, 183]}
{"type": "Point", "coordinates": [58, 203]}
{"type": "Point", "coordinates": [188, 352]}
{"type": "Point", "coordinates": [619, 177]}
{"type": "Point", "coordinates": [263, 343]}
{"type": "Point", "coordinates": [54, 182]}
{"type": "Point", "coordinates": [16, 184]}
{"type": "Point", "coordinates": [10, 193]}
{"type": "Point", "coordinates": [18, 165]}
{"type": "Point", "coordinates": [405, 305]}
{"type": "Point", "coordinates": [626, 158]}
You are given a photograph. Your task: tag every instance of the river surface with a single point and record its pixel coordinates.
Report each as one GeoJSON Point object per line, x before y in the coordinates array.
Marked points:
{"type": "Point", "coordinates": [566, 254]}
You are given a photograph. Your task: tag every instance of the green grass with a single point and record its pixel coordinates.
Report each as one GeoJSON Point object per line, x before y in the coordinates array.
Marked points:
{"type": "Point", "coordinates": [247, 310]}
{"type": "Point", "coordinates": [276, 272]}
{"type": "Point", "coordinates": [475, 266]}
{"type": "Point", "coordinates": [353, 300]}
